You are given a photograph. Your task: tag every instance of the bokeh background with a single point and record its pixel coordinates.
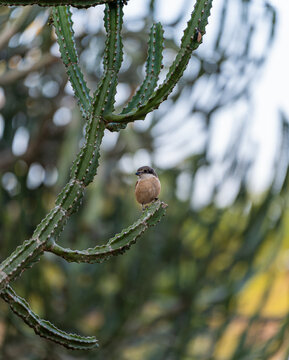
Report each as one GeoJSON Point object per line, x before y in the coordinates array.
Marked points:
{"type": "Point", "coordinates": [211, 280]}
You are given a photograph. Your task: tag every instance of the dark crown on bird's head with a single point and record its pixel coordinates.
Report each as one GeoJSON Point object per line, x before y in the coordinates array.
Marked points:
{"type": "Point", "coordinates": [146, 170]}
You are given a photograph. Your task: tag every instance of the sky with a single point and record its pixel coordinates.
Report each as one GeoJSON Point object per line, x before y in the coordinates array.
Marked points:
{"type": "Point", "coordinates": [269, 95]}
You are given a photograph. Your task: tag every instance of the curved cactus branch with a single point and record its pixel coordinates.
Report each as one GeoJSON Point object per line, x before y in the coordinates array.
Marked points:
{"type": "Point", "coordinates": [192, 38]}
{"type": "Point", "coordinates": [65, 37]}
{"type": "Point", "coordinates": [153, 68]}
{"type": "Point", "coordinates": [82, 173]}
{"type": "Point", "coordinates": [29, 252]}
{"type": "Point", "coordinates": [43, 327]}
{"type": "Point", "coordinates": [86, 163]}
{"type": "Point", "coordinates": [83, 169]}
{"type": "Point", "coordinates": [116, 245]}
{"type": "Point", "coordinates": [99, 112]}
{"type": "Point", "coordinates": [75, 3]}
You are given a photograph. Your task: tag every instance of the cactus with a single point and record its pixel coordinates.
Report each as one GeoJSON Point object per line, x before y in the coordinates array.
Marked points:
{"type": "Point", "coordinates": [98, 111]}
{"type": "Point", "coordinates": [76, 3]}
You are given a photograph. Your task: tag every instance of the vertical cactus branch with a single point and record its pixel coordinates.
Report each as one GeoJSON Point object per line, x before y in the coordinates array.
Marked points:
{"type": "Point", "coordinates": [85, 166]}
{"type": "Point", "coordinates": [191, 40]}
{"type": "Point", "coordinates": [113, 20]}
{"type": "Point", "coordinates": [153, 68]}
{"type": "Point", "coordinates": [65, 37]}
{"type": "Point", "coordinates": [99, 113]}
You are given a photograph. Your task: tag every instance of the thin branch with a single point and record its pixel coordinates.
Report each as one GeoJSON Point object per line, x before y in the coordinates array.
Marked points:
{"type": "Point", "coordinates": [12, 27]}
{"type": "Point", "coordinates": [13, 75]}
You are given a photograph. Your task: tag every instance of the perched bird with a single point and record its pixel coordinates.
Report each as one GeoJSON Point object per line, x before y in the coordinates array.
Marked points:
{"type": "Point", "coordinates": [148, 186]}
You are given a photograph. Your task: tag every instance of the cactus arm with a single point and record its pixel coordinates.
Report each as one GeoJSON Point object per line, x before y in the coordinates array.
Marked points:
{"type": "Point", "coordinates": [191, 39]}
{"type": "Point", "coordinates": [99, 112]}
{"type": "Point", "coordinates": [65, 38]}
{"type": "Point", "coordinates": [75, 3]}
{"type": "Point", "coordinates": [43, 327]}
{"type": "Point", "coordinates": [85, 166]}
{"type": "Point", "coordinates": [153, 68]}
{"type": "Point", "coordinates": [116, 126]}
{"type": "Point", "coordinates": [19, 260]}
{"type": "Point", "coordinates": [83, 172]}
{"type": "Point", "coordinates": [116, 245]}
{"type": "Point", "coordinates": [67, 202]}
{"type": "Point", "coordinates": [29, 252]}
{"type": "Point", "coordinates": [113, 55]}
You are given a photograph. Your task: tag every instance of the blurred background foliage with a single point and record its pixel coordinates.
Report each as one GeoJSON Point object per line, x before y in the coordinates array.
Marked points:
{"type": "Point", "coordinates": [211, 280]}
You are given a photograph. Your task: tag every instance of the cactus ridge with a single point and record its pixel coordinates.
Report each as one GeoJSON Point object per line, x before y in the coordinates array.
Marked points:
{"type": "Point", "coordinates": [76, 3]}
{"type": "Point", "coordinates": [43, 327]}
{"type": "Point", "coordinates": [21, 259]}
{"type": "Point", "coordinates": [98, 111]}
{"type": "Point", "coordinates": [113, 55]}
{"type": "Point", "coordinates": [153, 68]}
{"type": "Point", "coordinates": [189, 42]}
{"type": "Point", "coordinates": [116, 245]}
{"type": "Point", "coordinates": [65, 37]}
{"type": "Point", "coordinates": [70, 197]}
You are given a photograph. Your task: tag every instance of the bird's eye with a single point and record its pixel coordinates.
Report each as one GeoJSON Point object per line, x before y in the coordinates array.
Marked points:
{"type": "Point", "coordinates": [145, 171]}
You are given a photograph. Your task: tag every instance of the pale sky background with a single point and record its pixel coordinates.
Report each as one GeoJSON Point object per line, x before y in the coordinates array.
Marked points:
{"type": "Point", "coordinates": [269, 95]}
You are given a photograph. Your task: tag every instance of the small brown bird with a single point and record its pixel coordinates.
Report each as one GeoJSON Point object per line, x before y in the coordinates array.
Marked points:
{"type": "Point", "coordinates": [148, 186]}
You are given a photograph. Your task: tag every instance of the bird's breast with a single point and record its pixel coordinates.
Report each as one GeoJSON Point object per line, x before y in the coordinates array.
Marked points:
{"type": "Point", "coordinates": [146, 190]}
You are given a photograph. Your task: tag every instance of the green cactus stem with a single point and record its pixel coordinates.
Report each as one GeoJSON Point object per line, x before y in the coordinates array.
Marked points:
{"type": "Point", "coordinates": [75, 3]}
{"type": "Point", "coordinates": [153, 68]}
{"type": "Point", "coordinates": [98, 110]}
{"type": "Point", "coordinates": [116, 245]}
{"type": "Point", "coordinates": [190, 41]}
{"type": "Point", "coordinates": [43, 327]}
{"type": "Point", "coordinates": [65, 36]}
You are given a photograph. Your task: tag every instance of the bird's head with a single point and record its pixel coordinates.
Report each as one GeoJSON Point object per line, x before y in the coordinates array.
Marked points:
{"type": "Point", "coordinates": [145, 171]}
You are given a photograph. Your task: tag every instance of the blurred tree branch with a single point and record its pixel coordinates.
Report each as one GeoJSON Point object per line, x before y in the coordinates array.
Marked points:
{"type": "Point", "coordinates": [13, 75]}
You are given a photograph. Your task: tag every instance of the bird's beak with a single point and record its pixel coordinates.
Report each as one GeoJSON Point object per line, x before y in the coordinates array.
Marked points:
{"type": "Point", "coordinates": [137, 173]}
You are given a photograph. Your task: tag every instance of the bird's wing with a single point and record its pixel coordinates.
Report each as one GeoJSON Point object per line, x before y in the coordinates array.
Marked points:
{"type": "Point", "coordinates": [136, 184]}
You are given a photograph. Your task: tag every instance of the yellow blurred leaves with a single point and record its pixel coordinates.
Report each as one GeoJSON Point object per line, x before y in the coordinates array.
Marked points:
{"type": "Point", "coordinates": [36, 303]}
{"type": "Point", "coordinates": [53, 275]}
{"type": "Point", "coordinates": [2, 331]}
{"type": "Point", "coordinates": [91, 322]}
{"type": "Point", "coordinates": [277, 303]}
{"type": "Point", "coordinates": [109, 285]}
{"type": "Point", "coordinates": [138, 352]}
